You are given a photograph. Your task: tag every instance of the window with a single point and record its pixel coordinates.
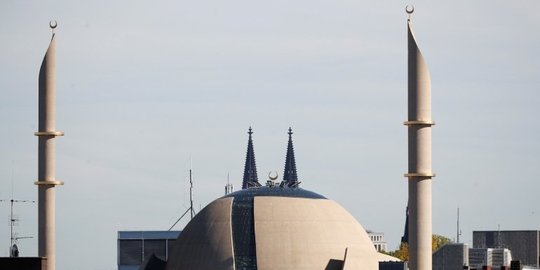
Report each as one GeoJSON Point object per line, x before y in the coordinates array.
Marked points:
{"type": "Point", "coordinates": [131, 252]}
{"type": "Point", "coordinates": [156, 247]}
{"type": "Point", "coordinates": [243, 230]}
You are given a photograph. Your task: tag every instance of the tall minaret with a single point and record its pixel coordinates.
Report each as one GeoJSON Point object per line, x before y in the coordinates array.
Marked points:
{"type": "Point", "coordinates": [419, 124]}
{"type": "Point", "coordinates": [289, 175]}
{"type": "Point", "coordinates": [46, 154]}
{"type": "Point", "coordinates": [250, 168]}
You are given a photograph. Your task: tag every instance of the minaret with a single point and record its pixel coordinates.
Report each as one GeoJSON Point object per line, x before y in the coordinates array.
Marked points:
{"type": "Point", "coordinates": [419, 124]}
{"type": "Point", "coordinates": [46, 154]}
{"type": "Point", "coordinates": [289, 175]}
{"type": "Point", "coordinates": [250, 169]}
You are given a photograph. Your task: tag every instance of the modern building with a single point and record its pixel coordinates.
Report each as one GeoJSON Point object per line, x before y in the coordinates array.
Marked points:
{"type": "Point", "coordinates": [23, 263]}
{"type": "Point", "coordinates": [460, 256]}
{"type": "Point", "coordinates": [393, 266]}
{"type": "Point", "coordinates": [378, 240]}
{"type": "Point", "coordinates": [451, 257]}
{"type": "Point", "coordinates": [134, 247]}
{"type": "Point", "coordinates": [524, 245]}
{"type": "Point", "coordinates": [492, 257]}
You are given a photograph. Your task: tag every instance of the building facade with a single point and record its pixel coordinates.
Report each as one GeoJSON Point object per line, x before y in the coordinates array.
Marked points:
{"type": "Point", "coordinates": [460, 256]}
{"type": "Point", "coordinates": [135, 247]}
{"type": "Point", "coordinates": [524, 245]}
{"type": "Point", "coordinates": [451, 257]}
{"type": "Point", "coordinates": [493, 257]}
{"type": "Point", "coordinates": [378, 240]}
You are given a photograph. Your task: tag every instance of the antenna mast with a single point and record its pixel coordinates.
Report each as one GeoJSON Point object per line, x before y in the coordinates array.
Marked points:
{"type": "Point", "coordinates": [458, 230]}
{"type": "Point", "coordinates": [12, 223]}
{"type": "Point", "coordinates": [190, 209]}
{"type": "Point", "coordinates": [191, 190]}
{"type": "Point", "coordinates": [228, 186]}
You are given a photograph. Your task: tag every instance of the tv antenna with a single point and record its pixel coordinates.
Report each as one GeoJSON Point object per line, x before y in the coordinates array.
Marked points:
{"type": "Point", "coordinates": [14, 221]}
{"type": "Point", "coordinates": [458, 229]}
{"type": "Point", "coordinates": [229, 186]}
{"type": "Point", "coordinates": [190, 209]}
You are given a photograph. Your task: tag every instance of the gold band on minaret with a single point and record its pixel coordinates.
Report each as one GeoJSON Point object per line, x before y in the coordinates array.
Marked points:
{"type": "Point", "coordinates": [49, 133]}
{"type": "Point", "coordinates": [50, 183]}
{"type": "Point", "coordinates": [419, 123]}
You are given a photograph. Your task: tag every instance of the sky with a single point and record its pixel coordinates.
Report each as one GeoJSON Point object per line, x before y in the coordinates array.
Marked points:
{"type": "Point", "coordinates": [143, 87]}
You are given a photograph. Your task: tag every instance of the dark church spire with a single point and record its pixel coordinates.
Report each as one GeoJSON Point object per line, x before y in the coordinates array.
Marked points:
{"type": "Point", "coordinates": [290, 176]}
{"type": "Point", "coordinates": [405, 237]}
{"type": "Point", "coordinates": [250, 169]}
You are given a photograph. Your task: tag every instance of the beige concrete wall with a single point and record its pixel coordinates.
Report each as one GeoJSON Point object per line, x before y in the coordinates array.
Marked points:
{"type": "Point", "coordinates": [420, 171]}
{"type": "Point", "coordinates": [297, 233]}
{"type": "Point", "coordinates": [206, 242]}
{"type": "Point", "coordinates": [47, 158]}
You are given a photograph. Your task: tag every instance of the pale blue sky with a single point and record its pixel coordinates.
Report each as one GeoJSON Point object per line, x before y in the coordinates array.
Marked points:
{"type": "Point", "coordinates": [144, 85]}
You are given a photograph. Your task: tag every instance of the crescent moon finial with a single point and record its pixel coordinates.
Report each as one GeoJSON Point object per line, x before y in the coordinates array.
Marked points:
{"type": "Point", "coordinates": [53, 24]}
{"type": "Point", "coordinates": [274, 177]}
{"type": "Point", "coordinates": [409, 11]}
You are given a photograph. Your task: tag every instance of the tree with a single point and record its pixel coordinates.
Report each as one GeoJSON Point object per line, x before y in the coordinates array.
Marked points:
{"type": "Point", "coordinates": [402, 253]}
{"type": "Point", "coordinates": [437, 241]}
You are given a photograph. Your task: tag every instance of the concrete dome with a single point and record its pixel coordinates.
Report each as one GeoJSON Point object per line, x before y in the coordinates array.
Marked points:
{"type": "Point", "coordinates": [272, 228]}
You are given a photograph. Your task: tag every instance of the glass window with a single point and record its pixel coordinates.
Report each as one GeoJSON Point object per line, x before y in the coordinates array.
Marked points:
{"type": "Point", "coordinates": [130, 252]}
{"type": "Point", "coordinates": [170, 246]}
{"type": "Point", "coordinates": [243, 230]}
{"type": "Point", "coordinates": [156, 247]}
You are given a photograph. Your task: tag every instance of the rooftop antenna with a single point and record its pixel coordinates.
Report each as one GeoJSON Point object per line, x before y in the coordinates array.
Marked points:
{"type": "Point", "coordinates": [498, 235]}
{"type": "Point", "coordinates": [229, 186]}
{"type": "Point", "coordinates": [190, 209]}
{"type": "Point", "coordinates": [458, 230]}
{"type": "Point", "coordinates": [191, 188]}
{"type": "Point", "coordinates": [13, 221]}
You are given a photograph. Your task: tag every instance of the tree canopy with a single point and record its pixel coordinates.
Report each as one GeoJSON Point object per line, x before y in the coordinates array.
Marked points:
{"type": "Point", "coordinates": [402, 253]}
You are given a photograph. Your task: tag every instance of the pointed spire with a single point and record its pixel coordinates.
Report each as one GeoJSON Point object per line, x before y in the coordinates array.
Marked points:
{"type": "Point", "coordinates": [405, 237]}
{"type": "Point", "coordinates": [289, 175]}
{"type": "Point", "coordinates": [250, 169]}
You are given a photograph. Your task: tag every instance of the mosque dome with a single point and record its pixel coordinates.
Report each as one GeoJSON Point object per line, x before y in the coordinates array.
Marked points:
{"type": "Point", "coordinates": [272, 228]}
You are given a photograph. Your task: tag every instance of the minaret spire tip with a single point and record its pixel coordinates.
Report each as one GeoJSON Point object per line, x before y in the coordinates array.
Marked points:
{"type": "Point", "coordinates": [409, 9]}
{"type": "Point", "coordinates": [53, 24]}
{"type": "Point", "coordinates": [290, 132]}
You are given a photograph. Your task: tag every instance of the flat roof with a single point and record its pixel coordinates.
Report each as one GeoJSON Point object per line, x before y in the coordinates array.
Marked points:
{"type": "Point", "coordinates": [125, 235]}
